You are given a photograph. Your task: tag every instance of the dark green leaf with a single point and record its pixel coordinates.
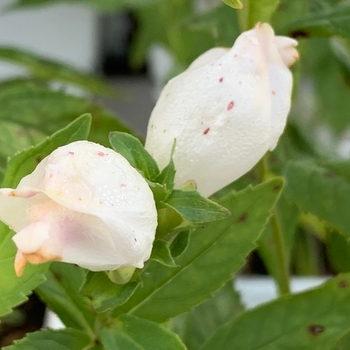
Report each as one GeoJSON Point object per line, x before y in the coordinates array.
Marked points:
{"type": "Point", "coordinates": [13, 289]}
{"type": "Point", "coordinates": [338, 251]}
{"type": "Point", "coordinates": [140, 334]}
{"type": "Point", "coordinates": [334, 20]}
{"type": "Point", "coordinates": [131, 148]}
{"type": "Point", "coordinates": [29, 112]}
{"type": "Point", "coordinates": [315, 320]}
{"type": "Point", "coordinates": [180, 243]}
{"type": "Point", "coordinates": [214, 253]}
{"type": "Point", "coordinates": [198, 325]}
{"type": "Point", "coordinates": [105, 294]}
{"type": "Point", "coordinates": [61, 294]}
{"type": "Point", "coordinates": [195, 208]}
{"type": "Point", "coordinates": [162, 254]}
{"type": "Point", "coordinates": [63, 339]}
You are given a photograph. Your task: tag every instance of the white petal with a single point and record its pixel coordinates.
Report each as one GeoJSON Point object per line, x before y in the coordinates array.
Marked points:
{"type": "Point", "coordinates": [219, 114]}
{"type": "Point", "coordinates": [281, 80]}
{"type": "Point", "coordinates": [83, 204]}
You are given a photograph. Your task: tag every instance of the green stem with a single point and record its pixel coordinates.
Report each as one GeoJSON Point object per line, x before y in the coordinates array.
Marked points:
{"type": "Point", "coordinates": [283, 279]}
{"type": "Point", "coordinates": [281, 254]}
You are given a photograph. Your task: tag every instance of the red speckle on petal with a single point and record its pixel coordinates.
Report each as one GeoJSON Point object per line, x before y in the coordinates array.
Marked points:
{"type": "Point", "coordinates": [70, 152]}
{"type": "Point", "coordinates": [101, 154]}
{"type": "Point", "coordinates": [230, 105]}
{"type": "Point", "coordinates": [273, 92]}
{"type": "Point", "coordinates": [206, 131]}
{"type": "Point", "coordinates": [221, 79]}
{"type": "Point", "coordinates": [122, 185]}
{"type": "Point", "coordinates": [235, 56]}
{"type": "Point", "coordinates": [240, 83]}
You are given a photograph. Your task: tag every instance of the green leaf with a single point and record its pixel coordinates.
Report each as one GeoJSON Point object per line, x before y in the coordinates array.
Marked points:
{"type": "Point", "coordinates": [332, 20]}
{"type": "Point", "coordinates": [195, 208]}
{"type": "Point", "coordinates": [47, 69]}
{"type": "Point", "coordinates": [235, 4]}
{"type": "Point", "coordinates": [60, 292]}
{"type": "Point", "coordinates": [29, 112]}
{"type": "Point", "coordinates": [338, 251]}
{"type": "Point", "coordinates": [160, 192]}
{"type": "Point", "coordinates": [162, 254]}
{"type": "Point", "coordinates": [132, 149]}
{"type": "Point", "coordinates": [215, 252]}
{"type": "Point", "coordinates": [63, 339]}
{"type": "Point", "coordinates": [167, 175]}
{"type": "Point", "coordinates": [13, 289]}
{"type": "Point", "coordinates": [140, 334]}
{"type": "Point", "coordinates": [344, 343]}
{"type": "Point", "coordinates": [102, 5]}
{"type": "Point", "coordinates": [322, 190]}
{"type": "Point", "coordinates": [255, 11]}
{"type": "Point", "coordinates": [288, 217]}
{"type": "Point", "coordinates": [315, 320]}
{"type": "Point", "coordinates": [197, 326]}
{"type": "Point", "coordinates": [105, 294]}
{"type": "Point", "coordinates": [180, 243]}
{"type": "Point", "coordinates": [168, 220]}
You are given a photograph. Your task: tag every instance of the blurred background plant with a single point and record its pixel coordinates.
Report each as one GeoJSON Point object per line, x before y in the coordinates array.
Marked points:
{"type": "Point", "coordinates": [311, 218]}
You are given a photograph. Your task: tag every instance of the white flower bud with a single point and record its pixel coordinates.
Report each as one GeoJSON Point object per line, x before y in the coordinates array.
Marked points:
{"type": "Point", "coordinates": [83, 204]}
{"type": "Point", "coordinates": [225, 111]}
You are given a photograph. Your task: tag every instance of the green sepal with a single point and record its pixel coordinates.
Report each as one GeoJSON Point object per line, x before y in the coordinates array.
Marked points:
{"type": "Point", "coordinates": [104, 293]}
{"type": "Point", "coordinates": [195, 208]}
{"type": "Point", "coordinates": [132, 149]}
{"type": "Point", "coordinates": [162, 253]}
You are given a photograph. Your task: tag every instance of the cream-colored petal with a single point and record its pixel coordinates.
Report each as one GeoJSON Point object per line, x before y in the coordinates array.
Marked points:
{"type": "Point", "coordinates": [286, 48]}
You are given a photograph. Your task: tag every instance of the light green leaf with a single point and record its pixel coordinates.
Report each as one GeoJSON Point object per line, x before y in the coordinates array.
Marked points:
{"type": "Point", "coordinates": [60, 292]}
{"type": "Point", "coordinates": [47, 69]}
{"type": "Point", "coordinates": [235, 4]}
{"type": "Point", "coordinates": [105, 294]}
{"type": "Point", "coordinates": [168, 220]}
{"type": "Point", "coordinates": [322, 190]}
{"type": "Point", "coordinates": [255, 11]}
{"type": "Point", "coordinates": [140, 334]}
{"type": "Point", "coordinates": [162, 253]}
{"type": "Point", "coordinates": [195, 208]}
{"type": "Point", "coordinates": [13, 289]}
{"type": "Point", "coordinates": [315, 320]}
{"type": "Point", "coordinates": [63, 339]}
{"type": "Point", "coordinates": [197, 326]}
{"type": "Point", "coordinates": [215, 252]}
{"type": "Point", "coordinates": [131, 148]}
